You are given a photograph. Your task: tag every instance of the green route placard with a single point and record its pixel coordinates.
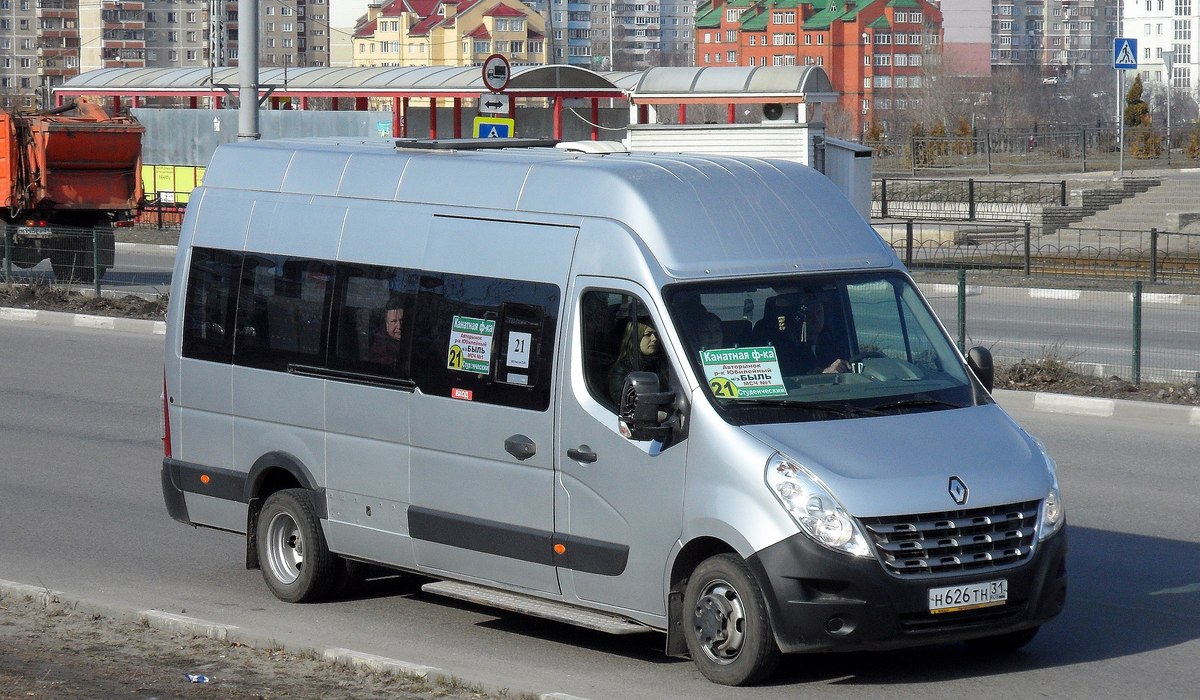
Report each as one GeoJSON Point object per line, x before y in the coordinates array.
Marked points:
{"type": "Point", "coordinates": [743, 373]}
{"type": "Point", "coordinates": [470, 344]}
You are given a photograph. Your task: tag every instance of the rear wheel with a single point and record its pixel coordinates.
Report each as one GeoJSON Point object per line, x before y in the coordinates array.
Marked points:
{"type": "Point", "coordinates": [296, 562]}
{"type": "Point", "coordinates": [71, 264]}
{"type": "Point", "coordinates": [725, 623]}
{"type": "Point", "coordinates": [72, 270]}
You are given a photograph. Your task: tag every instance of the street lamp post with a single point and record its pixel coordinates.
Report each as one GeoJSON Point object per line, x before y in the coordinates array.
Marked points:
{"type": "Point", "coordinates": [1168, 61]}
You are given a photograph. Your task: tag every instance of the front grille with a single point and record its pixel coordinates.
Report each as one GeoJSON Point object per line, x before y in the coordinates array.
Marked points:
{"type": "Point", "coordinates": [955, 542]}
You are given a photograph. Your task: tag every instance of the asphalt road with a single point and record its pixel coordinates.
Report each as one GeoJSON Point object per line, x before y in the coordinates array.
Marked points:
{"type": "Point", "coordinates": [82, 512]}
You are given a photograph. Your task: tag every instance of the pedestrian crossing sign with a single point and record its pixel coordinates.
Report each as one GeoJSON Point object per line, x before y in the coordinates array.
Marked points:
{"type": "Point", "coordinates": [494, 127]}
{"type": "Point", "coordinates": [1125, 53]}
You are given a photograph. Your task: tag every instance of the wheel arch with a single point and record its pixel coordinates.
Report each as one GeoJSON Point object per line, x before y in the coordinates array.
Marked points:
{"type": "Point", "coordinates": [685, 562]}
{"type": "Point", "coordinates": [272, 472]}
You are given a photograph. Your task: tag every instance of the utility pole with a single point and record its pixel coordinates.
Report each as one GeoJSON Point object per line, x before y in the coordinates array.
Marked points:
{"type": "Point", "coordinates": [248, 70]}
{"type": "Point", "coordinates": [1168, 61]}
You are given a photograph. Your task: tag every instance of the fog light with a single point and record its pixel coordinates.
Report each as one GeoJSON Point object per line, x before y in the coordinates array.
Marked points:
{"type": "Point", "coordinates": [838, 626]}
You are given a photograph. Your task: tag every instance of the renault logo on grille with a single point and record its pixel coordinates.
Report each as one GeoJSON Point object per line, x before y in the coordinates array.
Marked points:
{"type": "Point", "coordinates": [958, 491]}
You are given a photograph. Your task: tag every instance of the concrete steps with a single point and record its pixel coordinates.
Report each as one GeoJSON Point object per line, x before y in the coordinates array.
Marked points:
{"type": "Point", "coordinates": [1150, 208]}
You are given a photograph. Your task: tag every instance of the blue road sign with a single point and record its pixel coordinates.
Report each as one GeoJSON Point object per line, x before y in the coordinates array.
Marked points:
{"type": "Point", "coordinates": [1125, 53]}
{"type": "Point", "coordinates": [494, 127]}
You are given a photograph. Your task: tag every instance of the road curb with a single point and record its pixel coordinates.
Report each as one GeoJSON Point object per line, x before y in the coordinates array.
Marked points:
{"type": "Point", "coordinates": [148, 247]}
{"type": "Point", "coordinates": [1121, 409]}
{"type": "Point", "coordinates": [232, 634]}
{"type": "Point", "coordinates": [38, 317]}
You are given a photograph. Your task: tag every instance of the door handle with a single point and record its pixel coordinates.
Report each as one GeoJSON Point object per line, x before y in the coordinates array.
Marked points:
{"type": "Point", "coordinates": [583, 453]}
{"type": "Point", "coordinates": [520, 446]}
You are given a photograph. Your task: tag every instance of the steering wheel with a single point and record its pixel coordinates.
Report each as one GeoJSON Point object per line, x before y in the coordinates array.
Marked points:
{"type": "Point", "coordinates": [869, 354]}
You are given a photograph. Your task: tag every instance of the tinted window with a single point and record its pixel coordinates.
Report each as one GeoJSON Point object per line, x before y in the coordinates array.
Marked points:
{"type": "Point", "coordinates": [485, 339]}
{"type": "Point", "coordinates": [617, 340]}
{"type": "Point", "coordinates": [282, 311]}
{"type": "Point", "coordinates": [208, 308]}
{"type": "Point", "coordinates": [372, 320]}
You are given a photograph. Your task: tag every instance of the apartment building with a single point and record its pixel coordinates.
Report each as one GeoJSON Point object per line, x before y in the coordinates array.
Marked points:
{"type": "Point", "coordinates": [45, 42]}
{"type": "Point", "coordinates": [449, 33]}
{"type": "Point", "coordinates": [1166, 28]}
{"type": "Point", "coordinates": [875, 52]}
{"type": "Point", "coordinates": [1059, 38]}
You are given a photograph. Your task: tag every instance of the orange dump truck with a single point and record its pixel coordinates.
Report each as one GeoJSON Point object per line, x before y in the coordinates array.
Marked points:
{"type": "Point", "coordinates": [67, 176]}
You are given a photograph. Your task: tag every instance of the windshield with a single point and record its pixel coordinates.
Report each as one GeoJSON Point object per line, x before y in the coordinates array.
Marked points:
{"type": "Point", "coordinates": [815, 348]}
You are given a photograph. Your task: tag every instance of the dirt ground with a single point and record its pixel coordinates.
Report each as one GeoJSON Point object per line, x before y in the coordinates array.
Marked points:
{"type": "Point", "coordinates": [54, 652]}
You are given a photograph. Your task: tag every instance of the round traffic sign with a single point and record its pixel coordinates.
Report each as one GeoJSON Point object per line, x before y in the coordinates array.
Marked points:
{"type": "Point", "coordinates": [496, 72]}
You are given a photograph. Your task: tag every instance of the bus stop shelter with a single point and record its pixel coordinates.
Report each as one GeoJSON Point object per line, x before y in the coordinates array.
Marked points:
{"type": "Point", "coordinates": [645, 92]}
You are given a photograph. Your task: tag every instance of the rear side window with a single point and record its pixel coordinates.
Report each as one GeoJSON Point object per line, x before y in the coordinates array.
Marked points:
{"type": "Point", "coordinates": [485, 339]}
{"type": "Point", "coordinates": [282, 312]}
{"type": "Point", "coordinates": [467, 337]}
{"type": "Point", "coordinates": [209, 305]}
{"type": "Point", "coordinates": [372, 320]}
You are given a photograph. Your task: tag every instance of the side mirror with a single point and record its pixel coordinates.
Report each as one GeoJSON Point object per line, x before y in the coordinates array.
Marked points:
{"type": "Point", "coordinates": [642, 403]}
{"type": "Point", "coordinates": [979, 359]}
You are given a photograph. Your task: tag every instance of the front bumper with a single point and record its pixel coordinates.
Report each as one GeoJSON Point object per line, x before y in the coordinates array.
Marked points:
{"type": "Point", "coordinates": [820, 600]}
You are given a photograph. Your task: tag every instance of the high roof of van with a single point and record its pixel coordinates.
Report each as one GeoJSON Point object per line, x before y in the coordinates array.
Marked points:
{"type": "Point", "coordinates": [700, 216]}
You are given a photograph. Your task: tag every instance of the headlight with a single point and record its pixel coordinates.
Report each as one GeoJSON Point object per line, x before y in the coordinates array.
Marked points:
{"type": "Point", "coordinates": [1053, 513]}
{"type": "Point", "coordinates": [817, 513]}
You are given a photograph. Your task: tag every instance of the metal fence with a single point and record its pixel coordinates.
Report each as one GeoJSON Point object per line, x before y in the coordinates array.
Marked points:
{"type": "Point", "coordinates": [163, 211]}
{"type": "Point", "coordinates": [1039, 149]}
{"type": "Point", "coordinates": [1125, 331]}
{"type": "Point", "coordinates": [1156, 257]}
{"type": "Point", "coordinates": [964, 199]}
{"type": "Point", "coordinates": [82, 259]}
{"type": "Point", "coordinates": [73, 255]}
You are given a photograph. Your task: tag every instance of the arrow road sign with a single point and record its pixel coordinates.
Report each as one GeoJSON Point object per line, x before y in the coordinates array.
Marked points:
{"type": "Point", "coordinates": [1125, 53]}
{"type": "Point", "coordinates": [493, 103]}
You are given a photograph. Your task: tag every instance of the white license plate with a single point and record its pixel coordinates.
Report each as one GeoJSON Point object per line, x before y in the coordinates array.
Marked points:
{"type": "Point", "coordinates": [33, 232]}
{"type": "Point", "coordinates": [968, 596]}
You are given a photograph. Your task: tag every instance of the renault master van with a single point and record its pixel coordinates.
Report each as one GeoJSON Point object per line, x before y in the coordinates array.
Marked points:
{"type": "Point", "coordinates": [636, 392]}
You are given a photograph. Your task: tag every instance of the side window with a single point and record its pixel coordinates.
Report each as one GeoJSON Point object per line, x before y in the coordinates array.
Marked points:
{"type": "Point", "coordinates": [372, 320]}
{"type": "Point", "coordinates": [879, 321]}
{"type": "Point", "coordinates": [485, 339]}
{"type": "Point", "coordinates": [208, 308]}
{"type": "Point", "coordinates": [282, 311]}
{"type": "Point", "coordinates": [619, 337]}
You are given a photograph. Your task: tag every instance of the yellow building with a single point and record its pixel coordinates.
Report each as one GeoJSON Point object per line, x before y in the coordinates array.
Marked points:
{"type": "Point", "coordinates": [450, 33]}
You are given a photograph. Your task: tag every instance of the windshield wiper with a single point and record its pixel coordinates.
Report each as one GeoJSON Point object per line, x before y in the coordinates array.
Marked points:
{"type": "Point", "coordinates": [829, 407]}
{"type": "Point", "coordinates": [915, 403]}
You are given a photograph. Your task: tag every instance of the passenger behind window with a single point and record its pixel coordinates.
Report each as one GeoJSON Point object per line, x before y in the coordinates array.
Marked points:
{"type": "Point", "coordinates": [709, 333]}
{"type": "Point", "coordinates": [639, 352]}
{"type": "Point", "coordinates": [387, 345]}
{"type": "Point", "coordinates": [793, 324]}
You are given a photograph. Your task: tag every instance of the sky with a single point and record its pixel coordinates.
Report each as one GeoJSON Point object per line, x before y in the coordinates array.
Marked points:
{"type": "Point", "coordinates": [344, 12]}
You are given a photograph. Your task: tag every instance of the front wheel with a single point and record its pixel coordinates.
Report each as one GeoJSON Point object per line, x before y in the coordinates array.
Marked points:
{"type": "Point", "coordinates": [725, 623]}
{"type": "Point", "coordinates": [296, 562]}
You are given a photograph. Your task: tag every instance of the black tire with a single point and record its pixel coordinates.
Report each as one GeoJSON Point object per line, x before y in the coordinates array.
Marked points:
{"type": "Point", "coordinates": [1003, 643]}
{"type": "Point", "coordinates": [725, 623]}
{"type": "Point", "coordinates": [349, 577]}
{"type": "Point", "coordinates": [73, 266]}
{"type": "Point", "coordinates": [295, 559]}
